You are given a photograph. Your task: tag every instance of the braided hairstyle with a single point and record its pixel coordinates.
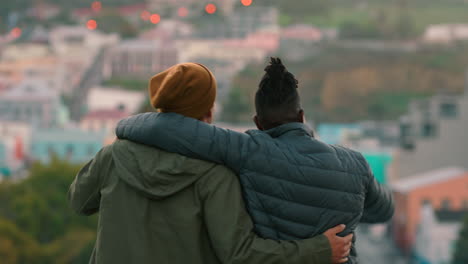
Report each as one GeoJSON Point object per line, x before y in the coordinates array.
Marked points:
{"type": "Point", "coordinates": [277, 101]}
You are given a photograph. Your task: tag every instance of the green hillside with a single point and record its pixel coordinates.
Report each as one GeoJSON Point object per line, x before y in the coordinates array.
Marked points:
{"type": "Point", "coordinates": [347, 85]}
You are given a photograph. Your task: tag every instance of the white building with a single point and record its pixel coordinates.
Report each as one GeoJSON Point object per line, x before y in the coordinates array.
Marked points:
{"type": "Point", "coordinates": [34, 103]}
{"type": "Point", "coordinates": [445, 33]}
{"type": "Point", "coordinates": [104, 98]}
{"type": "Point", "coordinates": [433, 135]}
{"type": "Point", "coordinates": [139, 59]}
{"type": "Point", "coordinates": [76, 48]}
{"type": "Point", "coordinates": [15, 141]}
{"type": "Point", "coordinates": [436, 236]}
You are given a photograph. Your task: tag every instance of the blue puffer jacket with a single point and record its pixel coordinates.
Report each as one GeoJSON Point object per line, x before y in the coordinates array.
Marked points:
{"type": "Point", "coordinates": [294, 185]}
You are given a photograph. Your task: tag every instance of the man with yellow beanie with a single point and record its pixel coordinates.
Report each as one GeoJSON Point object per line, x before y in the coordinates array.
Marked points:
{"type": "Point", "coordinates": [160, 207]}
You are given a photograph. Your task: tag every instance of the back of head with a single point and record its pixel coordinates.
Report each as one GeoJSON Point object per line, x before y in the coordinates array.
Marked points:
{"type": "Point", "coordinates": [188, 89]}
{"type": "Point", "coordinates": [277, 101]}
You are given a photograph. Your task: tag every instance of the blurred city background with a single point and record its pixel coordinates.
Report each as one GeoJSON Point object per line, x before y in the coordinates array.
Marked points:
{"type": "Point", "coordinates": [384, 77]}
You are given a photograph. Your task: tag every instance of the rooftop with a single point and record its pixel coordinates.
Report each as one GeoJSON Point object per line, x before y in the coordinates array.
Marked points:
{"type": "Point", "coordinates": [106, 114]}
{"type": "Point", "coordinates": [429, 178]}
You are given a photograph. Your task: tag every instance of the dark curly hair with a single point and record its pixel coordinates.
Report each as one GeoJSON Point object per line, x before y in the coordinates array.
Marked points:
{"type": "Point", "coordinates": [277, 101]}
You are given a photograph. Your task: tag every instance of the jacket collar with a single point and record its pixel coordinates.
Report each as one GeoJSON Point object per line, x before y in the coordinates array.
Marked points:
{"type": "Point", "coordinates": [290, 127]}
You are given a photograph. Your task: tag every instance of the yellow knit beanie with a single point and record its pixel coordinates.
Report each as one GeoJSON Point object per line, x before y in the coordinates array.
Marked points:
{"type": "Point", "coordinates": [188, 89]}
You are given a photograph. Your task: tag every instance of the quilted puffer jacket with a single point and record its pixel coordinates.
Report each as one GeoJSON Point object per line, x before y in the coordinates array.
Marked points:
{"type": "Point", "coordinates": [295, 186]}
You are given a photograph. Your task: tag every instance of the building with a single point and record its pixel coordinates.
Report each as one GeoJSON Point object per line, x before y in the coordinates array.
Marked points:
{"type": "Point", "coordinates": [139, 59]}
{"type": "Point", "coordinates": [78, 41]}
{"type": "Point", "coordinates": [115, 98]}
{"type": "Point", "coordinates": [34, 103]}
{"type": "Point", "coordinates": [131, 12]}
{"type": "Point", "coordinates": [267, 40]}
{"type": "Point", "coordinates": [433, 135]}
{"type": "Point", "coordinates": [74, 145]}
{"type": "Point", "coordinates": [168, 29]}
{"type": "Point", "coordinates": [299, 41]}
{"type": "Point", "coordinates": [4, 170]}
{"type": "Point", "coordinates": [445, 33]}
{"type": "Point", "coordinates": [240, 24]}
{"type": "Point", "coordinates": [252, 19]}
{"type": "Point", "coordinates": [102, 120]}
{"type": "Point", "coordinates": [20, 62]}
{"type": "Point", "coordinates": [15, 140]}
{"type": "Point", "coordinates": [437, 234]}
{"type": "Point", "coordinates": [444, 189]}
{"type": "Point", "coordinates": [193, 6]}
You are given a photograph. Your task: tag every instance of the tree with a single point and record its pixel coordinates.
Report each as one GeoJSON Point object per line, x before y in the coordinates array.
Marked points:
{"type": "Point", "coordinates": [37, 226]}
{"type": "Point", "coordinates": [461, 248]}
{"type": "Point", "coordinates": [16, 246]}
{"type": "Point", "coordinates": [236, 108]}
{"type": "Point", "coordinates": [110, 21]}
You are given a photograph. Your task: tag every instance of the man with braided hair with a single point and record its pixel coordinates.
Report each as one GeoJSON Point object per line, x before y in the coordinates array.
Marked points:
{"type": "Point", "coordinates": [294, 185]}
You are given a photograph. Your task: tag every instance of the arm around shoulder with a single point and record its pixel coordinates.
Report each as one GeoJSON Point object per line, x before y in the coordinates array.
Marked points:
{"type": "Point", "coordinates": [231, 233]}
{"type": "Point", "coordinates": [187, 136]}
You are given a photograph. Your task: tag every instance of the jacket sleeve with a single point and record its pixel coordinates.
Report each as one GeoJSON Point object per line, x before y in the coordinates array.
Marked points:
{"type": "Point", "coordinates": [187, 136]}
{"type": "Point", "coordinates": [84, 193]}
{"type": "Point", "coordinates": [378, 204]}
{"type": "Point", "coordinates": [231, 233]}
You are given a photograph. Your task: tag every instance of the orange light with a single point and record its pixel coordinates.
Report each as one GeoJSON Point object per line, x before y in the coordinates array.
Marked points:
{"type": "Point", "coordinates": [16, 32]}
{"type": "Point", "coordinates": [96, 6]}
{"type": "Point", "coordinates": [91, 24]}
{"type": "Point", "coordinates": [210, 8]}
{"type": "Point", "coordinates": [182, 12]}
{"type": "Point", "coordinates": [145, 15]}
{"type": "Point", "coordinates": [246, 2]}
{"type": "Point", "coordinates": [155, 18]}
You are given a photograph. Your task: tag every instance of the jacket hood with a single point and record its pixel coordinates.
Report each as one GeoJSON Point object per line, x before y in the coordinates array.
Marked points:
{"type": "Point", "coordinates": [155, 173]}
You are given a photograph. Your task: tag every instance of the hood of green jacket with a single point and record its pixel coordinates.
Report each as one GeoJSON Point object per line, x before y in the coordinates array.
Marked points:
{"type": "Point", "coordinates": [155, 174]}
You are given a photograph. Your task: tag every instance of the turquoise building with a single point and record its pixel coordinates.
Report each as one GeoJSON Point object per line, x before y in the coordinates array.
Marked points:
{"type": "Point", "coordinates": [334, 133]}
{"type": "Point", "coordinates": [75, 145]}
{"type": "Point", "coordinates": [378, 161]}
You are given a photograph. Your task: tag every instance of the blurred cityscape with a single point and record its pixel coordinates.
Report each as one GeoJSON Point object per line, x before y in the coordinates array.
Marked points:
{"type": "Point", "coordinates": [387, 78]}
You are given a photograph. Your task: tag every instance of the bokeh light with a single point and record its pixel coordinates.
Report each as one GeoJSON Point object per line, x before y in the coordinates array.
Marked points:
{"type": "Point", "coordinates": [155, 18]}
{"type": "Point", "coordinates": [96, 6]}
{"type": "Point", "coordinates": [91, 24]}
{"type": "Point", "coordinates": [246, 2]}
{"type": "Point", "coordinates": [182, 11]}
{"type": "Point", "coordinates": [210, 8]}
{"type": "Point", "coordinates": [16, 32]}
{"type": "Point", "coordinates": [145, 15]}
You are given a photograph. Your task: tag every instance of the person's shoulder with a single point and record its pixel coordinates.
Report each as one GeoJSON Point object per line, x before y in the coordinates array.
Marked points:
{"type": "Point", "coordinates": [352, 158]}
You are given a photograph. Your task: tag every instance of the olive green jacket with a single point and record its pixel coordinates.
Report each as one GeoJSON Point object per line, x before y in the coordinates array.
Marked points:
{"type": "Point", "coordinates": [159, 207]}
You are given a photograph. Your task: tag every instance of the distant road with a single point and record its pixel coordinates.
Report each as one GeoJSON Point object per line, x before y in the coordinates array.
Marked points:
{"type": "Point", "coordinates": [91, 78]}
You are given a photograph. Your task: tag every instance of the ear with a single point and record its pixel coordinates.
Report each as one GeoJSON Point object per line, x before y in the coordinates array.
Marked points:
{"type": "Point", "coordinates": [208, 117]}
{"type": "Point", "coordinates": [257, 123]}
{"type": "Point", "coordinates": [301, 116]}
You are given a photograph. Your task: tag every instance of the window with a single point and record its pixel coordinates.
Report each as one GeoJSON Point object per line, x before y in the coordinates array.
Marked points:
{"type": "Point", "coordinates": [428, 129]}
{"type": "Point", "coordinates": [465, 204]}
{"type": "Point", "coordinates": [448, 110]}
{"type": "Point", "coordinates": [445, 204]}
{"type": "Point", "coordinates": [425, 201]}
